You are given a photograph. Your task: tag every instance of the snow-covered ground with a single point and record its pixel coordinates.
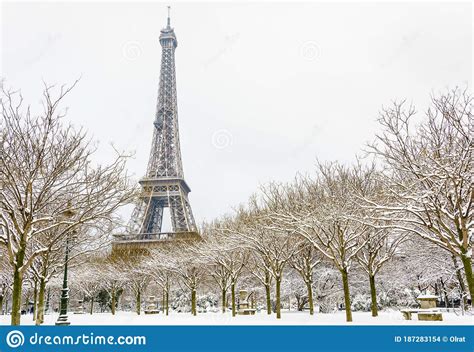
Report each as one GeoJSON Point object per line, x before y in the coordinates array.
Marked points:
{"type": "Point", "coordinates": [288, 318]}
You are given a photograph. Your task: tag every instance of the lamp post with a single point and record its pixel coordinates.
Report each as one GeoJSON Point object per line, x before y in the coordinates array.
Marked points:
{"type": "Point", "coordinates": [63, 318]}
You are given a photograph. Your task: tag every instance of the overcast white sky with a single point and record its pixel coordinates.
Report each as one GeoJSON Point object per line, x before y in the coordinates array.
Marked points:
{"type": "Point", "coordinates": [263, 88]}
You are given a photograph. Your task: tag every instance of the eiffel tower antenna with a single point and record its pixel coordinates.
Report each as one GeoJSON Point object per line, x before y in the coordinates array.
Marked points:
{"type": "Point", "coordinates": [163, 186]}
{"type": "Point", "coordinates": [169, 20]}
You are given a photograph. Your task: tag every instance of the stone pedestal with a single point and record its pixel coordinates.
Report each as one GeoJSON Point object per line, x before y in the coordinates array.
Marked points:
{"type": "Point", "coordinates": [244, 306]}
{"type": "Point", "coordinates": [243, 303]}
{"type": "Point", "coordinates": [428, 311]}
{"type": "Point", "coordinates": [80, 307]}
{"type": "Point", "coordinates": [151, 307]}
{"type": "Point", "coordinates": [427, 301]}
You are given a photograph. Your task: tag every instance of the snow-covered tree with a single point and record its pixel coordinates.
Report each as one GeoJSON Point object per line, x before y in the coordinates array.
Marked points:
{"type": "Point", "coordinates": [46, 173]}
{"type": "Point", "coordinates": [275, 244]}
{"type": "Point", "coordinates": [186, 261]}
{"type": "Point", "coordinates": [161, 270]}
{"type": "Point", "coordinates": [227, 255]}
{"type": "Point", "coordinates": [304, 263]}
{"type": "Point", "coordinates": [322, 210]}
{"type": "Point", "coordinates": [380, 246]}
{"type": "Point", "coordinates": [221, 277]}
{"type": "Point", "coordinates": [216, 269]}
{"type": "Point", "coordinates": [429, 177]}
{"type": "Point", "coordinates": [113, 279]}
{"type": "Point", "coordinates": [258, 267]}
{"type": "Point", "coordinates": [81, 242]}
{"type": "Point", "coordinates": [88, 281]}
{"type": "Point", "coordinates": [137, 276]}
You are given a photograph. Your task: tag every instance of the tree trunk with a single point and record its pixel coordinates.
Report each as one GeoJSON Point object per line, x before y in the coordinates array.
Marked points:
{"type": "Point", "coordinates": [1, 304]}
{"type": "Point", "coordinates": [310, 297]}
{"type": "Point", "coordinates": [167, 304]}
{"type": "Point", "coordinates": [268, 299]}
{"type": "Point", "coordinates": [278, 298]}
{"type": "Point", "coordinates": [373, 295]}
{"type": "Point", "coordinates": [16, 293]}
{"type": "Point", "coordinates": [40, 305]}
{"type": "Point", "coordinates": [163, 298]}
{"type": "Point", "coordinates": [139, 302]}
{"type": "Point", "coordinates": [462, 286]}
{"type": "Point", "coordinates": [92, 305]}
{"type": "Point", "coordinates": [445, 292]}
{"type": "Point", "coordinates": [113, 302]}
{"type": "Point", "coordinates": [233, 299]}
{"type": "Point", "coordinates": [347, 295]}
{"type": "Point", "coordinates": [467, 262]}
{"type": "Point", "coordinates": [267, 292]}
{"type": "Point", "coordinates": [35, 299]}
{"type": "Point", "coordinates": [223, 294]}
{"type": "Point", "coordinates": [193, 302]}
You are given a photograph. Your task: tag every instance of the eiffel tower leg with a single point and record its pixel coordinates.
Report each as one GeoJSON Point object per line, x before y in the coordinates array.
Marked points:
{"type": "Point", "coordinates": [135, 224]}
{"type": "Point", "coordinates": [153, 218]}
{"type": "Point", "coordinates": [181, 218]}
{"type": "Point", "coordinates": [189, 215]}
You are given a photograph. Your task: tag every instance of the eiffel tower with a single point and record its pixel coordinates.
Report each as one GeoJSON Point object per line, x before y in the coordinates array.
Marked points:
{"type": "Point", "coordinates": [164, 185]}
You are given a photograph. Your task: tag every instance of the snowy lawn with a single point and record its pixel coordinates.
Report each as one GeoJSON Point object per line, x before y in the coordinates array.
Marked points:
{"type": "Point", "coordinates": [389, 317]}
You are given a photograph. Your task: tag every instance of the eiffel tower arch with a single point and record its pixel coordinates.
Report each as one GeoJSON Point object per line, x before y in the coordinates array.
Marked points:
{"type": "Point", "coordinates": [163, 185]}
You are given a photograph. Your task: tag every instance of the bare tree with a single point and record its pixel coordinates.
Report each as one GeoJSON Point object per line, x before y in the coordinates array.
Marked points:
{"type": "Point", "coordinates": [88, 280]}
{"type": "Point", "coordinates": [216, 269]}
{"type": "Point", "coordinates": [46, 171]}
{"type": "Point", "coordinates": [223, 248]}
{"type": "Point", "coordinates": [429, 178]}
{"type": "Point", "coordinates": [83, 241]}
{"type": "Point", "coordinates": [113, 280]}
{"type": "Point", "coordinates": [321, 210]}
{"type": "Point", "coordinates": [161, 270]}
{"type": "Point", "coordinates": [274, 243]}
{"type": "Point", "coordinates": [304, 263]}
{"type": "Point", "coordinates": [41, 271]}
{"type": "Point", "coordinates": [186, 262]}
{"type": "Point", "coordinates": [258, 268]}
{"type": "Point", "coordinates": [380, 247]}
{"type": "Point", "coordinates": [138, 277]}
{"type": "Point", "coordinates": [221, 276]}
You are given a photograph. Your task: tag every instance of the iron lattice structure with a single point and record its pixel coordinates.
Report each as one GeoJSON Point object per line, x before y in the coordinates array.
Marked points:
{"type": "Point", "coordinates": [164, 185]}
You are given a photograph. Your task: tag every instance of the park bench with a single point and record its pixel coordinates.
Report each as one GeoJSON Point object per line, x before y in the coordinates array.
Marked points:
{"type": "Point", "coordinates": [247, 311]}
{"type": "Point", "coordinates": [423, 314]}
{"type": "Point", "coordinates": [427, 310]}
